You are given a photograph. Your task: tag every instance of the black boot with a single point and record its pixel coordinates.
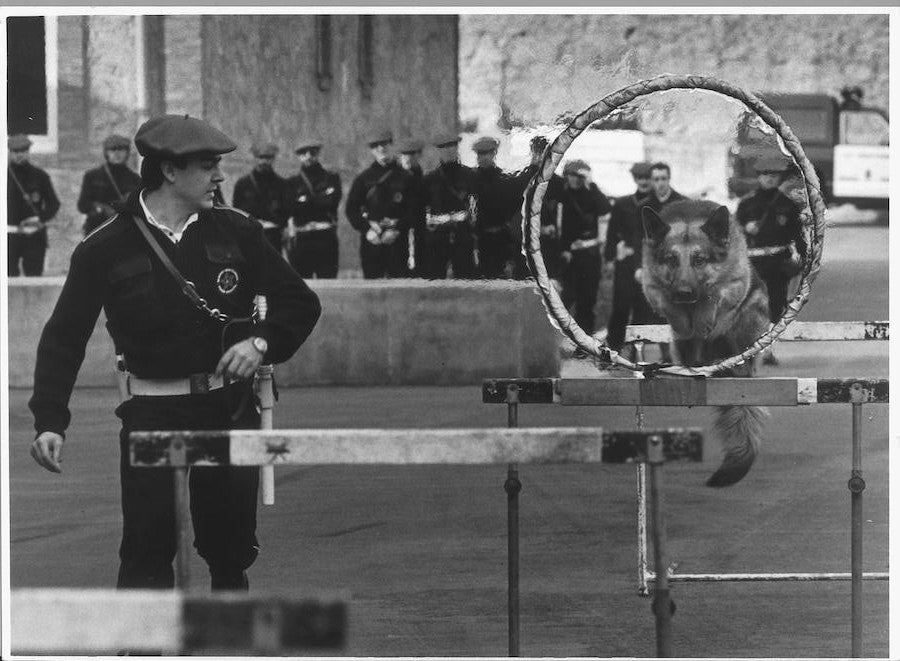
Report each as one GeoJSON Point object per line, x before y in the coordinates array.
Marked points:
{"type": "Point", "coordinates": [228, 579]}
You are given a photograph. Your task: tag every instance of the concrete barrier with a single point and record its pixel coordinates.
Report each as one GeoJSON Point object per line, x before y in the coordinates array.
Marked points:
{"type": "Point", "coordinates": [371, 333]}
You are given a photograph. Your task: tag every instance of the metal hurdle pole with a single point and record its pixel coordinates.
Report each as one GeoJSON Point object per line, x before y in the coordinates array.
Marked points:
{"type": "Point", "coordinates": [512, 486]}
{"type": "Point", "coordinates": [856, 485]}
{"type": "Point", "coordinates": [266, 380]}
{"type": "Point", "coordinates": [662, 603]}
{"type": "Point", "coordinates": [182, 516]}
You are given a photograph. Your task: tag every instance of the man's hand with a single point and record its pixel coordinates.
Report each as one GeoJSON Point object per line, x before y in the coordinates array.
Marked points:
{"type": "Point", "coordinates": [752, 228]}
{"type": "Point", "coordinates": [46, 450]}
{"type": "Point", "coordinates": [639, 275]}
{"type": "Point", "coordinates": [240, 361]}
{"type": "Point", "coordinates": [623, 250]}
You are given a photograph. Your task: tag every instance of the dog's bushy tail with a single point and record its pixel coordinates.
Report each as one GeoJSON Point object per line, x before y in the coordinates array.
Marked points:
{"type": "Point", "coordinates": [740, 430]}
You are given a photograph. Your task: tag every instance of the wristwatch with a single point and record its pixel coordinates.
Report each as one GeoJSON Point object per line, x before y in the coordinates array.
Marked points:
{"type": "Point", "coordinates": [260, 344]}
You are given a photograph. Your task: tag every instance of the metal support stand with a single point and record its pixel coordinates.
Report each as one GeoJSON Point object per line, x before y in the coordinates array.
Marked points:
{"type": "Point", "coordinates": [182, 516]}
{"type": "Point", "coordinates": [856, 485]}
{"type": "Point", "coordinates": [512, 486]}
{"type": "Point", "coordinates": [662, 604]}
{"type": "Point", "coordinates": [643, 587]}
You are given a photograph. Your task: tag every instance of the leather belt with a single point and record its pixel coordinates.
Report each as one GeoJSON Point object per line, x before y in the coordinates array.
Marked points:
{"type": "Point", "coordinates": [439, 219]}
{"type": "Point", "coordinates": [584, 244]}
{"type": "Point", "coordinates": [315, 226]}
{"type": "Point", "coordinates": [768, 251]}
{"type": "Point", "coordinates": [195, 384]}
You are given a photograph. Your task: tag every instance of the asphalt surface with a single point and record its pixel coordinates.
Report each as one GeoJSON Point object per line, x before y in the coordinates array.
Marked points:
{"type": "Point", "coordinates": [422, 550]}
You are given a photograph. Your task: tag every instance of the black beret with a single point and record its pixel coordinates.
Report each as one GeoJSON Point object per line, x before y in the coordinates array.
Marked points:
{"type": "Point", "coordinates": [180, 135]}
{"type": "Point", "coordinates": [264, 149]}
{"type": "Point", "coordinates": [485, 144]}
{"type": "Point", "coordinates": [641, 169]}
{"type": "Point", "coordinates": [446, 139]}
{"type": "Point", "coordinates": [380, 138]}
{"type": "Point", "coordinates": [306, 144]}
{"type": "Point", "coordinates": [18, 142]}
{"type": "Point", "coordinates": [116, 141]}
{"type": "Point", "coordinates": [410, 147]}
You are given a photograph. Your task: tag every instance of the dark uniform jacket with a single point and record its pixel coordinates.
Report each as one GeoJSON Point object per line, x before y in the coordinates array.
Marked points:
{"type": "Point", "coordinates": [380, 192]}
{"type": "Point", "coordinates": [99, 192]}
{"type": "Point", "coordinates": [552, 197]}
{"type": "Point", "coordinates": [777, 216]}
{"type": "Point", "coordinates": [448, 187]}
{"type": "Point", "coordinates": [494, 199]}
{"type": "Point", "coordinates": [655, 204]}
{"type": "Point", "coordinates": [41, 198]}
{"type": "Point", "coordinates": [417, 197]}
{"type": "Point", "coordinates": [625, 225]}
{"type": "Point", "coordinates": [317, 205]}
{"type": "Point", "coordinates": [581, 209]}
{"type": "Point", "coordinates": [155, 326]}
{"type": "Point", "coordinates": [261, 194]}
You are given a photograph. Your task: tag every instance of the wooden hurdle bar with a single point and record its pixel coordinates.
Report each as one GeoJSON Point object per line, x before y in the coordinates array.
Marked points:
{"type": "Point", "coordinates": [56, 622]}
{"type": "Point", "coordinates": [685, 391]}
{"type": "Point", "coordinates": [511, 446]}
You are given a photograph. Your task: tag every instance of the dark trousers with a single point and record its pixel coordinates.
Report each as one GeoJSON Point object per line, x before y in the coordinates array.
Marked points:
{"type": "Point", "coordinates": [315, 254]}
{"type": "Point", "coordinates": [628, 305]}
{"type": "Point", "coordinates": [385, 261]}
{"type": "Point", "coordinates": [770, 271]}
{"type": "Point", "coordinates": [493, 254]}
{"type": "Point", "coordinates": [450, 246]}
{"type": "Point", "coordinates": [223, 499]}
{"type": "Point", "coordinates": [29, 249]}
{"type": "Point", "coordinates": [580, 282]}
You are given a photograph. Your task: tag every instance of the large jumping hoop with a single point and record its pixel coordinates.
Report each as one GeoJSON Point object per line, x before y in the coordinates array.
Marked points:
{"type": "Point", "coordinates": [813, 223]}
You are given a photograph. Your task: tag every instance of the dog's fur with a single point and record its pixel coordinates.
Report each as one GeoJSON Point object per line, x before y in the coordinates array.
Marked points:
{"type": "Point", "coordinates": [697, 274]}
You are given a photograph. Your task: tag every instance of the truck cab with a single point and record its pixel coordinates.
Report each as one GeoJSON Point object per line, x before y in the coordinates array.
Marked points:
{"type": "Point", "coordinates": [846, 142]}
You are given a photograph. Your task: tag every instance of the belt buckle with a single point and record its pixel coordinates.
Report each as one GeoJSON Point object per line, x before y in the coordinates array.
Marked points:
{"type": "Point", "coordinates": [199, 383]}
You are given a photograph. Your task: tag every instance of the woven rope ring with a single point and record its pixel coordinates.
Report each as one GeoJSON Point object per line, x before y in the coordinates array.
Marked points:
{"type": "Point", "coordinates": [812, 218]}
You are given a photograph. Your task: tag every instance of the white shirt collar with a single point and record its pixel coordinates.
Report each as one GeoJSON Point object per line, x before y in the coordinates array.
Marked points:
{"type": "Point", "coordinates": [174, 237]}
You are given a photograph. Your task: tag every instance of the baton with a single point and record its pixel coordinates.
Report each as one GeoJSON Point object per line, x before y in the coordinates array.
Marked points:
{"type": "Point", "coordinates": [264, 376]}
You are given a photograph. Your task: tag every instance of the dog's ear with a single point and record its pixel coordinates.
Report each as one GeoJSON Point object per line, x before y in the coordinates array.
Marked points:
{"type": "Point", "coordinates": [655, 227]}
{"type": "Point", "coordinates": [717, 226]}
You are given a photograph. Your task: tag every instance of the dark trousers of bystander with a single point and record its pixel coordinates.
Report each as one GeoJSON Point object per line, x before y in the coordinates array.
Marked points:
{"type": "Point", "coordinates": [27, 249]}
{"type": "Point", "coordinates": [315, 254]}
{"type": "Point", "coordinates": [493, 254]}
{"type": "Point", "coordinates": [385, 260]}
{"type": "Point", "coordinates": [580, 282]}
{"type": "Point", "coordinates": [770, 271]}
{"type": "Point", "coordinates": [223, 499]}
{"type": "Point", "coordinates": [450, 246]}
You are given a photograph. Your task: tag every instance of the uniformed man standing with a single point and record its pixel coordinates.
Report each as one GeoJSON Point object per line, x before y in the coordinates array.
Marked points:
{"type": "Point", "coordinates": [31, 203]}
{"type": "Point", "coordinates": [108, 184]}
{"type": "Point", "coordinates": [410, 152]}
{"type": "Point", "coordinates": [261, 194]}
{"type": "Point", "coordinates": [771, 220]}
{"type": "Point", "coordinates": [313, 195]}
{"type": "Point", "coordinates": [378, 207]}
{"type": "Point", "coordinates": [493, 207]}
{"type": "Point", "coordinates": [176, 278]}
{"type": "Point", "coordinates": [582, 209]}
{"type": "Point", "coordinates": [551, 214]}
{"type": "Point", "coordinates": [448, 214]}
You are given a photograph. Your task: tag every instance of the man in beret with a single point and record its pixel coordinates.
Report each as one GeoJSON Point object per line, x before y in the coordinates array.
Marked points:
{"type": "Point", "coordinates": [551, 213]}
{"type": "Point", "coordinates": [108, 184]}
{"type": "Point", "coordinates": [312, 198]}
{"type": "Point", "coordinates": [176, 277]}
{"type": "Point", "coordinates": [624, 239]}
{"type": "Point", "coordinates": [771, 220]}
{"type": "Point", "coordinates": [449, 191]}
{"type": "Point", "coordinates": [379, 208]}
{"type": "Point", "coordinates": [582, 209]}
{"type": "Point", "coordinates": [261, 194]}
{"type": "Point", "coordinates": [493, 207]}
{"type": "Point", "coordinates": [31, 203]}
{"type": "Point", "coordinates": [410, 152]}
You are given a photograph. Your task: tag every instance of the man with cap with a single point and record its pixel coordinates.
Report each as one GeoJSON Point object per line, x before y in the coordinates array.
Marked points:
{"type": "Point", "coordinates": [108, 184]}
{"type": "Point", "coordinates": [624, 240]}
{"type": "Point", "coordinates": [379, 208]}
{"type": "Point", "coordinates": [449, 190]}
{"type": "Point", "coordinates": [31, 203]}
{"type": "Point", "coordinates": [312, 198]}
{"type": "Point", "coordinates": [551, 213]}
{"type": "Point", "coordinates": [410, 152]}
{"type": "Point", "coordinates": [493, 207]}
{"type": "Point", "coordinates": [176, 277]}
{"type": "Point", "coordinates": [771, 221]}
{"type": "Point", "coordinates": [261, 194]}
{"type": "Point", "coordinates": [582, 209]}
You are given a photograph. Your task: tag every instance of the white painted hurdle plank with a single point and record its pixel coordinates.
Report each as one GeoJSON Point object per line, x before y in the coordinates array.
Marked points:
{"type": "Point", "coordinates": [798, 331]}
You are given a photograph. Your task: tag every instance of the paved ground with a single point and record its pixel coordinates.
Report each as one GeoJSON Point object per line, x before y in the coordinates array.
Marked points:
{"type": "Point", "coordinates": [422, 550]}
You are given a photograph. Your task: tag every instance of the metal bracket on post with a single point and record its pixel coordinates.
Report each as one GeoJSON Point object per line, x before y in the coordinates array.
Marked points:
{"type": "Point", "coordinates": [512, 486]}
{"type": "Point", "coordinates": [178, 460]}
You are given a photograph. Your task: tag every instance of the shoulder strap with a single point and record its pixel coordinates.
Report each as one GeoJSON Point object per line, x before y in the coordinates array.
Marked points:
{"type": "Point", "coordinates": [458, 194]}
{"type": "Point", "coordinates": [113, 181]}
{"type": "Point", "coordinates": [24, 194]}
{"type": "Point", "coordinates": [306, 182]}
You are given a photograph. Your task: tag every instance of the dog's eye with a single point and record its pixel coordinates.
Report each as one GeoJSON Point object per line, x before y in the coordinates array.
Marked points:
{"type": "Point", "coordinates": [698, 260]}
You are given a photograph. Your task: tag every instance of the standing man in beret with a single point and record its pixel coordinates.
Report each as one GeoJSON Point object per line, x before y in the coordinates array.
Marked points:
{"type": "Point", "coordinates": [312, 198]}
{"type": "Point", "coordinates": [410, 153]}
{"type": "Point", "coordinates": [261, 194]}
{"type": "Point", "coordinates": [176, 277]}
{"type": "Point", "coordinates": [493, 207]}
{"type": "Point", "coordinates": [379, 208]}
{"type": "Point", "coordinates": [109, 184]}
{"type": "Point", "coordinates": [449, 194]}
{"type": "Point", "coordinates": [624, 238]}
{"type": "Point", "coordinates": [771, 221]}
{"type": "Point", "coordinates": [582, 209]}
{"type": "Point", "coordinates": [31, 203]}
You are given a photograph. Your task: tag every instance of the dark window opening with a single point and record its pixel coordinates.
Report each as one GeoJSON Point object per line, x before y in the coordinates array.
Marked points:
{"type": "Point", "coordinates": [26, 75]}
{"type": "Point", "coordinates": [323, 52]}
{"type": "Point", "coordinates": [366, 56]}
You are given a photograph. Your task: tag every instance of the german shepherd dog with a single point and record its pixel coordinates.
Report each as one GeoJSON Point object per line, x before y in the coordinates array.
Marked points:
{"type": "Point", "coordinates": [696, 273]}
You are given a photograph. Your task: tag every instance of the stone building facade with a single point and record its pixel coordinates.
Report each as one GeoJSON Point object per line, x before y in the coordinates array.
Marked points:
{"type": "Point", "coordinates": [274, 77]}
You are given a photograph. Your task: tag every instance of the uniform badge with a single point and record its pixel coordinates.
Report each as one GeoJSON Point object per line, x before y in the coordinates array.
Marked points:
{"type": "Point", "coordinates": [227, 280]}
{"type": "Point", "coordinates": [398, 198]}
{"type": "Point", "coordinates": [782, 219]}
{"type": "Point", "coordinates": [302, 198]}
